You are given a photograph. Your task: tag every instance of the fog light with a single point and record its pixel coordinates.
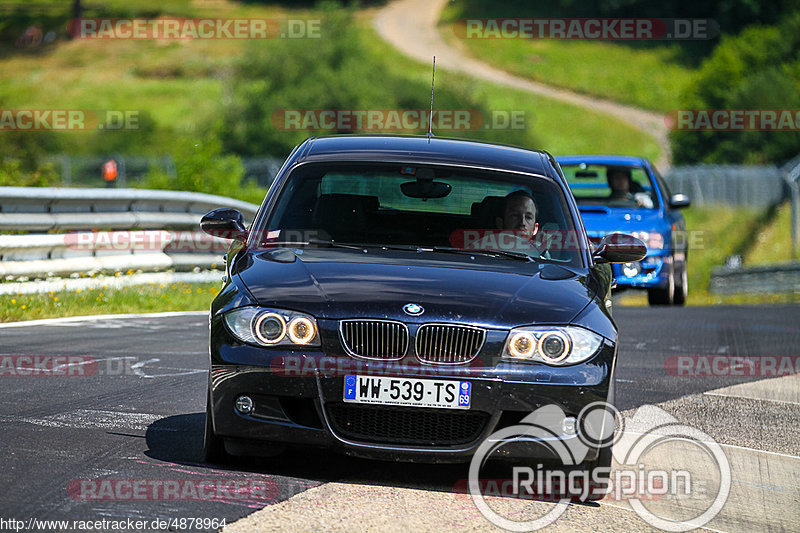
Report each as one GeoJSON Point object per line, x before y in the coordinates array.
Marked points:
{"type": "Point", "coordinates": [244, 404]}
{"type": "Point", "coordinates": [631, 269]}
{"type": "Point", "coordinates": [568, 426]}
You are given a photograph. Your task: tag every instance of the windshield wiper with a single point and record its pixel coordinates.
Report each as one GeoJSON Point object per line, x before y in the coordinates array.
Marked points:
{"type": "Point", "coordinates": [492, 253]}
{"type": "Point", "coordinates": [318, 242]}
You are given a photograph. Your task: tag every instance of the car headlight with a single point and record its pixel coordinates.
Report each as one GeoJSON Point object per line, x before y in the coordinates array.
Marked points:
{"type": "Point", "coordinates": [653, 240]}
{"type": "Point", "coordinates": [272, 327]}
{"type": "Point", "coordinates": [556, 346]}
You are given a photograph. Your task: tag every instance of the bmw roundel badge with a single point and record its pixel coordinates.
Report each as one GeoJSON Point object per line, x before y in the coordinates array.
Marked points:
{"type": "Point", "coordinates": [413, 309]}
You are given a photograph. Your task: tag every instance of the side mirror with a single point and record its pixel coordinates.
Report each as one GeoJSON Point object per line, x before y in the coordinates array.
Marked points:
{"type": "Point", "coordinates": [224, 223]}
{"type": "Point", "coordinates": [619, 248]}
{"type": "Point", "coordinates": [679, 201]}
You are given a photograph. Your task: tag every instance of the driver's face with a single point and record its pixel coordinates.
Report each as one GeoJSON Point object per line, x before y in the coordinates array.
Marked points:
{"type": "Point", "coordinates": [520, 214]}
{"type": "Point", "coordinates": [619, 182]}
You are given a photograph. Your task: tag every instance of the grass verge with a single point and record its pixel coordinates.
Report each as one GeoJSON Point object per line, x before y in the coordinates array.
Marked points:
{"type": "Point", "coordinates": [652, 78]}
{"type": "Point", "coordinates": [773, 242]}
{"type": "Point", "coordinates": [139, 299]}
{"type": "Point", "coordinates": [719, 232]}
{"type": "Point", "coordinates": [716, 233]}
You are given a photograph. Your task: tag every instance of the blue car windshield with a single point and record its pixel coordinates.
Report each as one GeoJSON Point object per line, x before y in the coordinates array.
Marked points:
{"type": "Point", "coordinates": [431, 207]}
{"type": "Point", "coordinates": [611, 185]}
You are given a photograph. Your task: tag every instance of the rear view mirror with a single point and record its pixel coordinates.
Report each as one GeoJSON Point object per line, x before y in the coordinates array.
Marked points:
{"type": "Point", "coordinates": [425, 186]}
{"type": "Point", "coordinates": [586, 174]}
{"type": "Point", "coordinates": [679, 200]}
{"type": "Point", "coordinates": [224, 223]}
{"type": "Point", "coordinates": [619, 248]}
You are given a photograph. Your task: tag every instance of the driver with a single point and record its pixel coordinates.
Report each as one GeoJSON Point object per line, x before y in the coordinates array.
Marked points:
{"type": "Point", "coordinates": [517, 225]}
{"type": "Point", "coordinates": [620, 181]}
{"type": "Point", "coordinates": [519, 214]}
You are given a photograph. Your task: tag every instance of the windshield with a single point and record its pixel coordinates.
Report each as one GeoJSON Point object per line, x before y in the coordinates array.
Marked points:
{"type": "Point", "coordinates": [610, 185]}
{"type": "Point", "coordinates": [436, 209]}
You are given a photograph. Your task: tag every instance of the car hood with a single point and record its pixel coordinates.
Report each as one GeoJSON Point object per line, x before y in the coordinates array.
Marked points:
{"type": "Point", "coordinates": [333, 284]}
{"type": "Point", "coordinates": [602, 220]}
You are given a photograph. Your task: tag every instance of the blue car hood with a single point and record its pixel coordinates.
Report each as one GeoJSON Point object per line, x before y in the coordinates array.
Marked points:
{"type": "Point", "coordinates": [602, 220]}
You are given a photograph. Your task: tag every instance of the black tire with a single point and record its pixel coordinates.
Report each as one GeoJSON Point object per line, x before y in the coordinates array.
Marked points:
{"type": "Point", "coordinates": [604, 459]}
{"type": "Point", "coordinates": [213, 444]}
{"type": "Point", "coordinates": [665, 296]}
{"type": "Point", "coordinates": [682, 286]}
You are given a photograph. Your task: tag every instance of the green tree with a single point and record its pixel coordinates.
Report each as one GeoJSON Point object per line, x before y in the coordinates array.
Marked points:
{"type": "Point", "coordinates": [758, 69]}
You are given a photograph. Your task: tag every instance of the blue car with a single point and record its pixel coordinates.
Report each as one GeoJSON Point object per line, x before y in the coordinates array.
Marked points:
{"type": "Point", "coordinates": [627, 195]}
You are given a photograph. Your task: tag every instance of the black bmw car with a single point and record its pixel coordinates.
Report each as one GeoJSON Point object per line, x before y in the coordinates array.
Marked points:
{"type": "Point", "coordinates": [403, 298]}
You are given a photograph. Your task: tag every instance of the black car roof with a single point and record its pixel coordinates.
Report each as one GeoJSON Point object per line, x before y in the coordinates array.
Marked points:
{"type": "Point", "coordinates": [436, 150]}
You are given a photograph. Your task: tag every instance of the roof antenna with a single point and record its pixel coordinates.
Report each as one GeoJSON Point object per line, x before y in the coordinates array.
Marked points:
{"type": "Point", "coordinates": [430, 118]}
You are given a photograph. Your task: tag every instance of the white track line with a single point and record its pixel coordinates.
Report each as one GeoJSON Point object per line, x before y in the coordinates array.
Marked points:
{"type": "Point", "coordinates": [67, 319]}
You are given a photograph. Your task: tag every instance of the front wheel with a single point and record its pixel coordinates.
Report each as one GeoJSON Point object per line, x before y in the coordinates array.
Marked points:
{"type": "Point", "coordinates": [599, 473]}
{"type": "Point", "coordinates": [682, 288]}
{"type": "Point", "coordinates": [665, 296]}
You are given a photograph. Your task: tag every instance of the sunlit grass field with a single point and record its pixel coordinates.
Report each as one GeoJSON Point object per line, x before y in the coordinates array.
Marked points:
{"type": "Point", "coordinates": [652, 78]}
{"type": "Point", "coordinates": [183, 85]}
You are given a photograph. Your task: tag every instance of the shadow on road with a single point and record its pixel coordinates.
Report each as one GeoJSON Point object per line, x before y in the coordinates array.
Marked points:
{"type": "Point", "coordinates": [179, 440]}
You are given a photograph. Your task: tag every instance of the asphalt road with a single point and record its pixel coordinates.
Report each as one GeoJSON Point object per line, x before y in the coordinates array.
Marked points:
{"type": "Point", "coordinates": [137, 413]}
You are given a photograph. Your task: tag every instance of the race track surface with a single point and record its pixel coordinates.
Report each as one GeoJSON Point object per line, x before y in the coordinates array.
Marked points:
{"type": "Point", "coordinates": [139, 416]}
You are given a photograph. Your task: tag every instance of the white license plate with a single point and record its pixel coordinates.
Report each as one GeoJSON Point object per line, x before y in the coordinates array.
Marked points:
{"type": "Point", "coordinates": [408, 391]}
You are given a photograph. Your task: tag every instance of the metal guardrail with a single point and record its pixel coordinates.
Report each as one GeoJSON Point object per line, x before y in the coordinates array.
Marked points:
{"type": "Point", "coordinates": [739, 185]}
{"type": "Point", "coordinates": [767, 279]}
{"type": "Point", "coordinates": [161, 230]}
{"type": "Point", "coordinates": [86, 170]}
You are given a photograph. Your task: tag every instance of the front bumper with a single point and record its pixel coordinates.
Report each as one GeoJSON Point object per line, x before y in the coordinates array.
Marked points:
{"type": "Point", "coordinates": [652, 273]}
{"type": "Point", "coordinates": [299, 401]}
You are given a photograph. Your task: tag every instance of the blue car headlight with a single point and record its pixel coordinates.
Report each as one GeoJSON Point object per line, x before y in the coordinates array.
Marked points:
{"type": "Point", "coordinates": [272, 327]}
{"type": "Point", "coordinates": [556, 346]}
{"type": "Point", "coordinates": [653, 240]}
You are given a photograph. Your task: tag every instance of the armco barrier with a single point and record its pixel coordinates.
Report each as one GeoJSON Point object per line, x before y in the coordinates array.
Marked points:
{"type": "Point", "coordinates": [165, 218]}
{"type": "Point", "coordinates": [767, 279]}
